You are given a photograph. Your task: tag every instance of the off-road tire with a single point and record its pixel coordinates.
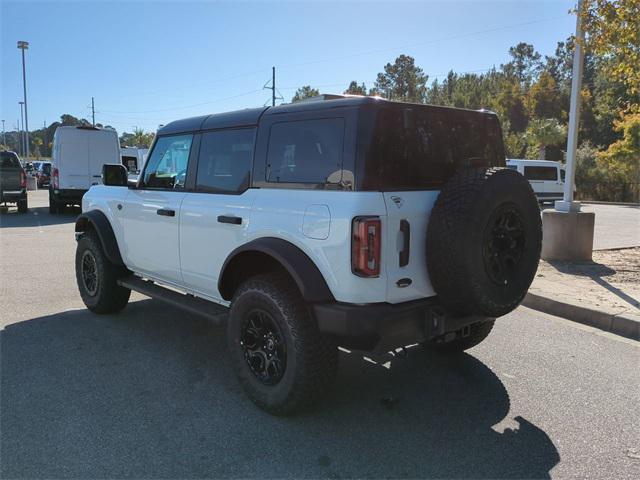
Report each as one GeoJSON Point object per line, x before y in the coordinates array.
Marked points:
{"type": "Point", "coordinates": [478, 332]}
{"type": "Point", "coordinates": [23, 206]}
{"type": "Point", "coordinates": [462, 220]}
{"type": "Point", "coordinates": [311, 358]}
{"type": "Point", "coordinates": [109, 297]}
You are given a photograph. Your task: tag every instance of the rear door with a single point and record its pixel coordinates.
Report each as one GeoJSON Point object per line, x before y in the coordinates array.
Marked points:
{"type": "Point", "coordinates": [73, 161]}
{"type": "Point", "coordinates": [415, 151]}
{"type": "Point", "coordinates": [215, 217]}
{"type": "Point", "coordinates": [103, 148]}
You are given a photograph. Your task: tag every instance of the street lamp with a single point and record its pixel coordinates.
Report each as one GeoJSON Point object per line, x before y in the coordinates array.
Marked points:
{"type": "Point", "coordinates": [21, 126]}
{"type": "Point", "coordinates": [22, 45]}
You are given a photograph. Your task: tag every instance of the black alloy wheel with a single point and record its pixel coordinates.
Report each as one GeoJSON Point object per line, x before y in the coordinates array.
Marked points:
{"type": "Point", "coordinates": [264, 347]}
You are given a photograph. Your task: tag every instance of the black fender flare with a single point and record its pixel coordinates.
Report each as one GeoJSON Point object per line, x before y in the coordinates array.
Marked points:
{"type": "Point", "coordinates": [303, 271]}
{"type": "Point", "coordinates": [102, 226]}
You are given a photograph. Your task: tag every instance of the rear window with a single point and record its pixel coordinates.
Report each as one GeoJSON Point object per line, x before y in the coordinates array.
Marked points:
{"type": "Point", "coordinates": [130, 162]}
{"type": "Point", "coordinates": [541, 173]}
{"type": "Point", "coordinates": [46, 168]}
{"type": "Point", "coordinates": [415, 148]}
{"type": "Point", "coordinates": [9, 160]}
{"type": "Point", "coordinates": [307, 151]}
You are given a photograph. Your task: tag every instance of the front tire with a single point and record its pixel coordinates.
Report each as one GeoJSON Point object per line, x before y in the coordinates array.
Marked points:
{"type": "Point", "coordinates": [97, 277]}
{"type": "Point", "coordinates": [282, 362]}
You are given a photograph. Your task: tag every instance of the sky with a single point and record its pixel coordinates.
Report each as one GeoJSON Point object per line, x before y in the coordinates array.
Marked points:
{"type": "Point", "coordinates": [147, 63]}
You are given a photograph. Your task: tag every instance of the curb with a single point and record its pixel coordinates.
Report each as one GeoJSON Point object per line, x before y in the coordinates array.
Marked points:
{"type": "Point", "coordinates": [624, 324]}
{"type": "Point", "coordinates": [597, 202]}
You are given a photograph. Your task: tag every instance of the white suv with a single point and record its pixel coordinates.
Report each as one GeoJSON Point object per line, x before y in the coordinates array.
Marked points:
{"type": "Point", "coordinates": [353, 221]}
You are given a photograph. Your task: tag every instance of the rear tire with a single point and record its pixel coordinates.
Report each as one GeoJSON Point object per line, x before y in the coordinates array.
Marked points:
{"type": "Point", "coordinates": [23, 206]}
{"type": "Point", "coordinates": [478, 332]}
{"type": "Point", "coordinates": [282, 362]}
{"type": "Point", "coordinates": [97, 277]}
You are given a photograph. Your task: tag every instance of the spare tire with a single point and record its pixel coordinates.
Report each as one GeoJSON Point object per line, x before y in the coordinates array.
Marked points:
{"type": "Point", "coordinates": [483, 241]}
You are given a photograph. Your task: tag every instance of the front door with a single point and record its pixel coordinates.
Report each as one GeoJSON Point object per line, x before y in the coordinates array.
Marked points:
{"type": "Point", "coordinates": [214, 218]}
{"type": "Point", "coordinates": [152, 211]}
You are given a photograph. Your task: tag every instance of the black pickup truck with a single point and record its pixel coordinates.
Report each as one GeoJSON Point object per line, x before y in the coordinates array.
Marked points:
{"type": "Point", "coordinates": [13, 181]}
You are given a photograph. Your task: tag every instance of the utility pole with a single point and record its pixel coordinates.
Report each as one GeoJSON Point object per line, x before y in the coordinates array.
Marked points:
{"type": "Point", "coordinates": [273, 86]}
{"type": "Point", "coordinates": [3, 139]}
{"type": "Point", "coordinates": [93, 112]}
{"type": "Point", "coordinates": [22, 45]}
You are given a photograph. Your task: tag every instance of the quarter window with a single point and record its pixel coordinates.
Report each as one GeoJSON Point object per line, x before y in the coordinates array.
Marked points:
{"type": "Point", "coordinates": [541, 173]}
{"type": "Point", "coordinates": [307, 151]}
{"type": "Point", "coordinates": [167, 167]}
{"type": "Point", "coordinates": [225, 161]}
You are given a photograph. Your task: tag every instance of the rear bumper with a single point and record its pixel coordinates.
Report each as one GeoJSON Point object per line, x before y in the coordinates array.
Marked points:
{"type": "Point", "coordinates": [67, 195]}
{"type": "Point", "coordinates": [13, 196]}
{"type": "Point", "coordinates": [383, 326]}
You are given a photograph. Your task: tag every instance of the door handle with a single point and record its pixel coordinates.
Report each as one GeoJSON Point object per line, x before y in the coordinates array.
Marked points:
{"type": "Point", "coordinates": [230, 219]}
{"type": "Point", "coordinates": [165, 212]}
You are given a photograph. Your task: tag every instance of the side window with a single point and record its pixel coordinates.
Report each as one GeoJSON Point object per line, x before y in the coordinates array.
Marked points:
{"type": "Point", "coordinates": [307, 151]}
{"type": "Point", "coordinates": [563, 172]}
{"type": "Point", "coordinates": [224, 162]}
{"type": "Point", "coordinates": [167, 166]}
{"type": "Point", "coordinates": [541, 173]}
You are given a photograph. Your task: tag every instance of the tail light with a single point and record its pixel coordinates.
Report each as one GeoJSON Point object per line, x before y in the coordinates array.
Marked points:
{"type": "Point", "coordinates": [23, 179]}
{"type": "Point", "coordinates": [56, 179]}
{"type": "Point", "coordinates": [365, 246]}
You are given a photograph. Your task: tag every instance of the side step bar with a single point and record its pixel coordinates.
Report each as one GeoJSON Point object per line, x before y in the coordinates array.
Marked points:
{"type": "Point", "coordinates": [217, 314]}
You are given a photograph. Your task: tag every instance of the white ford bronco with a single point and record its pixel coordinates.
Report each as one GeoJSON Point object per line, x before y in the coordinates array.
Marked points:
{"type": "Point", "coordinates": [353, 222]}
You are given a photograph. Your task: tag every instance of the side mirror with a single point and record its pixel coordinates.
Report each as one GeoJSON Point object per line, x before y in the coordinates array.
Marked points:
{"type": "Point", "coordinates": [114, 174]}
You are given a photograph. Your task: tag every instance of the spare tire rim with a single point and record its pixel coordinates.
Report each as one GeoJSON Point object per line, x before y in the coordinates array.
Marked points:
{"type": "Point", "coordinates": [89, 273]}
{"type": "Point", "coordinates": [504, 244]}
{"type": "Point", "coordinates": [264, 347]}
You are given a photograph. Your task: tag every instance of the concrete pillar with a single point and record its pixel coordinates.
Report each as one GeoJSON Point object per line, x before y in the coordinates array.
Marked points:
{"type": "Point", "coordinates": [567, 235]}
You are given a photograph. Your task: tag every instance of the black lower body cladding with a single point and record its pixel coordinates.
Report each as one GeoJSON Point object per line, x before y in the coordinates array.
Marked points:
{"type": "Point", "coordinates": [483, 241]}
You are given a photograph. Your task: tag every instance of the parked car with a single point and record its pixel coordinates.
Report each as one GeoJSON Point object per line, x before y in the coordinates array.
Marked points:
{"type": "Point", "coordinates": [546, 177]}
{"type": "Point", "coordinates": [43, 174]}
{"type": "Point", "coordinates": [355, 221]}
{"type": "Point", "coordinates": [13, 181]}
{"type": "Point", "coordinates": [78, 156]}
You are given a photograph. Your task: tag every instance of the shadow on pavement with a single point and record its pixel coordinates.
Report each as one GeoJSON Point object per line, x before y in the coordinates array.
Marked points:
{"type": "Point", "coordinates": [36, 217]}
{"type": "Point", "coordinates": [149, 393]}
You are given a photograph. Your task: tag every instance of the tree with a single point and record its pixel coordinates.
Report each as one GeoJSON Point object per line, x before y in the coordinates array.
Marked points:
{"type": "Point", "coordinates": [622, 158]}
{"type": "Point", "coordinates": [545, 100]}
{"type": "Point", "coordinates": [37, 143]}
{"type": "Point", "coordinates": [355, 89]}
{"type": "Point", "coordinates": [403, 81]}
{"type": "Point", "coordinates": [543, 133]}
{"type": "Point", "coordinates": [525, 63]}
{"type": "Point", "coordinates": [139, 138]}
{"type": "Point", "coordinates": [612, 32]}
{"type": "Point", "coordinates": [305, 92]}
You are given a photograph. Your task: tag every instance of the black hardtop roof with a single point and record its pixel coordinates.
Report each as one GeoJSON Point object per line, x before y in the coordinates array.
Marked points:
{"type": "Point", "coordinates": [251, 116]}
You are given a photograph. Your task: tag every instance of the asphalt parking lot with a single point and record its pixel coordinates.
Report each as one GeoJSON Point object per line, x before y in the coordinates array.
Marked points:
{"type": "Point", "coordinates": [149, 393]}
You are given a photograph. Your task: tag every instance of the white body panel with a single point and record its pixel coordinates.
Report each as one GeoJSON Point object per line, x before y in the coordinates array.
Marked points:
{"type": "Point", "coordinates": [188, 250]}
{"type": "Point", "coordinates": [79, 154]}
{"type": "Point", "coordinates": [547, 189]}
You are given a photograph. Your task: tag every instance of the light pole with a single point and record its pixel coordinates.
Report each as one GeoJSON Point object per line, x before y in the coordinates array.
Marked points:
{"type": "Point", "coordinates": [22, 129]}
{"type": "Point", "coordinates": [22, 45]}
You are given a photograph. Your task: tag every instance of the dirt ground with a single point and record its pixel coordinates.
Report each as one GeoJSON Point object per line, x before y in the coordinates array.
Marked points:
{"type": "Point", "coordinates": [611, 282]}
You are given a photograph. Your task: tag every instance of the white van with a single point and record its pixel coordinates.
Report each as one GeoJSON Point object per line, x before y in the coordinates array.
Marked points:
{"type": "Point", "coordinates": [77, 159]}
{"type": "Point", "coordinates": [546, 177]}
{"type": "Point", "coordinates": [133, 158]}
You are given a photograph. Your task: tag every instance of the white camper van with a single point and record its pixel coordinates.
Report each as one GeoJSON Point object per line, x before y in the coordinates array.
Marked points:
{"type": "Point", "coordinates": [77, 159]}
{"type": "Point", "coordinates": [546, 177]}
